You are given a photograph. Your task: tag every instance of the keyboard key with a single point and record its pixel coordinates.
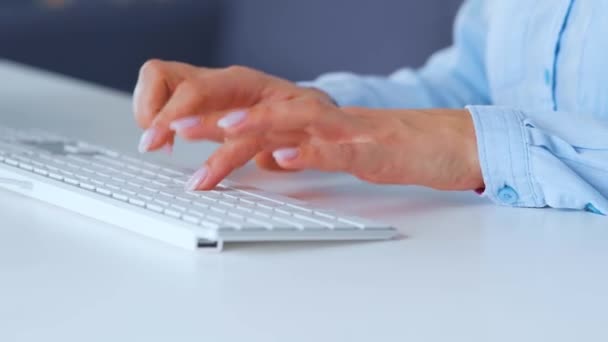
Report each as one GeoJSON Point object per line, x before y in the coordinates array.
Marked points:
{"type": "Point", "coordinates": [55, 176]}
{"type": "Point", "coordinates": [11, 161]}
{"type": "Point", "coordinates": [103, 191]}
{"type": "Point", "coordinates": [178, 207]}
{"type": "Point", "coordinates": [280, 210]}
{"type": "Point", "coordinates": [173, 213]}
{"type": "Point", "coordinates": [259, 222]}
{"type": "Point", "coordinates": [71, 181]}
{"type": "Point", "coordinates": [166, 194]}
{"type": "Point", "coordinates": [209, 224]}
{"type": "Point", "coordinates": [163, 177]}
{"type": "Point", "coordinates": [191, 219]}
{"type": "Point", "coordinates": [154, 207]}
{"type": "Point", "coordinates": [173, 172]}
{"type": "Point", "coordinates": [161, 201]}
{"type": "Point", "coordinates": [213, 218]}
{"type": "Point", "coordinates": [307, 210]}
{"type": "Point", "coordinates": [230, 226]}
{"type": "Point", "coordinates": [26, 167]}
{"type": "Point", "coordinates": [113, 187]}
{"type": "Point", "coordinates": [280, 223]}
{"type": "Point", "coordinates": [229, 204]}
{"type": "Point", "coordinates": [137, 202]}
{"type": "Point", "coordinates": [262, 214]}
{"type": "Point", "coordinates": [237, 216]}
{"type": "Point", "coordinates": [87, 186]}
{"type": "Point", "coordinates": [150, 189]}
{"type": "Point", "coordinates": [97, 182]}
{"type": "Point", "coordinates": [351, 222]}
{"type": "Point", "coordinates": [200, 205]}
{"type": "Point", "coordinates": [179, 181]}
{"type": "Point", "coordinates": [121, 197]}
{"type": "Point", "coordinates": [197, 213]}
{"type": "Point", "coordinates": [144, 196]}
{"type": "Point", "coordinates": [314, 220]}
{"type": "Point", "coordinates": [218, 210]}
{"type": "Point", "coordinates": [183, 199]}
{"type": "Point", "coordinates": [40, 171]}
{"type": "Point", "coordinates": [327, 215]}
{"type": "Point", "coordinates": [128, 191]}
{"type": "Point", "coordinates": [299, 223]}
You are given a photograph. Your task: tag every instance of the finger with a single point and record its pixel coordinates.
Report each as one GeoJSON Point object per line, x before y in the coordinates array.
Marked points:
{"type": "Point", "coordinates": [183, 100]}
{"type": "Point", "coordinates": [311, 115]}
{"type": "Point", "coordinates": [216, 90]}
{"type": "Point", "coordinates": [324, 157]}
{"type": "Point", "coordinates": [199, 127]}
{"type": "Point", "coordinates": [206, 127]}
{"type": "Point", "coordinates": [155, 138]}
{"type": "Point", "coordinates": [228, 157]}
{"type": "Point", "coordinates": [266, 161]}
{"type": "Point", "coordinates": [154, 86]}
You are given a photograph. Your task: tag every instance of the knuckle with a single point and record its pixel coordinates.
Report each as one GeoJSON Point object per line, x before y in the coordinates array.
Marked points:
{"type": "Point", "coordinates": [191, 93]}
{"type": "Point", "coordinates": [153, 66]}
{"type": "Point", "coordinates": [238, 69]}
{"type": "Point", "coordinates": [262, 110]}
{"type": "Point", "coordinates": [188, 87]}
{"type": "Point", "coordinates": [315, 104]}
{"type": "Point", "coordinates": [316, 108]}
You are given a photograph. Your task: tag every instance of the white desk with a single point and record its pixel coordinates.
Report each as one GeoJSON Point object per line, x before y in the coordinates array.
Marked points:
{"type": "Point", "coordinates": [468, 271]}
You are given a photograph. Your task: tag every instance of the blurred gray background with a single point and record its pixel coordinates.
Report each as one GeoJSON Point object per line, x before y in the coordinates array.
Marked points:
{"type": "Point", "coordinates": [105, 41]}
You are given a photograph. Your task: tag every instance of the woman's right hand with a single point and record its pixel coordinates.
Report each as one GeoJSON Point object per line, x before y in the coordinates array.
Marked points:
{"type": "Point", "coordinates": [177, 98]}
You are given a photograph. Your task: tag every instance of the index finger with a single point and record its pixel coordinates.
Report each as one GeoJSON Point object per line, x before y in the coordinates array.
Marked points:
{"type": "Point", "coordinates": [213, 91]}
{"type": "Point", "coordinates": [154, 86]}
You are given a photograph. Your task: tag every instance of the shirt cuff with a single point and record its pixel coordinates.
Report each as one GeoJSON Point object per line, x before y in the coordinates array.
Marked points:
{"type": "Point", "coordinates": [504, 156]}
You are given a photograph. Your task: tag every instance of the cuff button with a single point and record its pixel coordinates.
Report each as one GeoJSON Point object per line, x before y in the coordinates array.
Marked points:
{"type": "Point", "coordinates": [590, 208]}
{"type": "Point", "coordinates": [508, 195]}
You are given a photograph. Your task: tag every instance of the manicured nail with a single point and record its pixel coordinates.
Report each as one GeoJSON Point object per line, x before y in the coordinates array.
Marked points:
{"type": "Point", "coordinates": [232, 119]}
{"type": "Point", "coordinates": [185, 123]}
{"type": "Point", "coordinates": [285, 154]}
{"type": "Point", "coordinates": [197, 178]}
{"type": "Point", "coordinates": [146, 140]}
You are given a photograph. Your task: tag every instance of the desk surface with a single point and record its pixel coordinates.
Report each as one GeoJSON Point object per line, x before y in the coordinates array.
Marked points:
{"type": "Point", "coordinates": [467, 271]}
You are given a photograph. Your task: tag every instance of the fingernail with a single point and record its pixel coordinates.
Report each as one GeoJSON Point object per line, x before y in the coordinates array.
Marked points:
{"type": "Point", "coordinates": [232, 119]}
{"type": "Point", "coordinates": [146, 140]}
{"type": "Point", "coordinates": [184, 123]}
{"type": "Point", "coordinates": [285, 154]}
{"type": "Point", "coordinates": [168, 149]}
{"type": "Point", "coordinates": [197, 178]}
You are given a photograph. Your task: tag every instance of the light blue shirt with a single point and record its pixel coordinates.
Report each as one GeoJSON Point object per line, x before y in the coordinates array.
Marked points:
{"type": "Point", "coordinates": [534, 75]}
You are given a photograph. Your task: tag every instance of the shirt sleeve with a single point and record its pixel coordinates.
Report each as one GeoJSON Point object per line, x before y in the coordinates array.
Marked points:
{"type": "Point", "coordinates": [452, 78]}
{"type": "Point", "coordinates": [528, 158]}
{"type": "Point", "coordinates": [540, 159]}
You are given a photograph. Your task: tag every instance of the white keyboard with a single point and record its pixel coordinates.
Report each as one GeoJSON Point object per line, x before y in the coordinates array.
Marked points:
{"type": "Point", "coordinates": [150, 199]}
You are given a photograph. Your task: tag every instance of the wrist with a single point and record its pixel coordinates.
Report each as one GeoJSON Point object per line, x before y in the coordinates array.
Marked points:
{"type": "Point", "coordinates": [474, 179]}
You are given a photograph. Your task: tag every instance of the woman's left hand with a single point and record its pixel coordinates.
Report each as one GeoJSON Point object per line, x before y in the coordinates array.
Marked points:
{"type": "Point", "coordinates": [433, 148]}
